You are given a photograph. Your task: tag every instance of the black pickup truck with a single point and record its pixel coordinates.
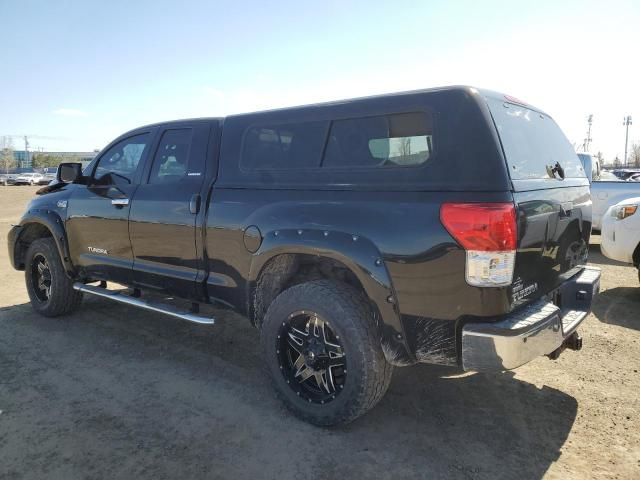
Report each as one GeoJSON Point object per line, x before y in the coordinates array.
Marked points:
{"type": "Point", "coordinates": [446, 226]}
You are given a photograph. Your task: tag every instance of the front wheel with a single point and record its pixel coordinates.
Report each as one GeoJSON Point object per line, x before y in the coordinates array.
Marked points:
{"type": "Point", "coordinates": [323, 352]}
{"type": "Point", "coordinates": [50, 289]}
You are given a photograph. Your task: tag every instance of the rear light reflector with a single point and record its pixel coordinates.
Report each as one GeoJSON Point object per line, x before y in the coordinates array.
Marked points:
{"type": "Point", "coordinates": [488, 233]}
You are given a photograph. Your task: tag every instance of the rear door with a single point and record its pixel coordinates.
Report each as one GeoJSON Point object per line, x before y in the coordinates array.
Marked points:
{"type": "Point", "coordinates": [552, 197]}
{"type": "Point", "coordinates": [166, 211]}
{"type": "Point", "coordinates": [97, 214]}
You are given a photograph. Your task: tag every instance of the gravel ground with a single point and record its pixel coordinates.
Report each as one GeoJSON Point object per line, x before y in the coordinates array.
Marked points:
{"type": "Point", "coordinates": [113, 392]}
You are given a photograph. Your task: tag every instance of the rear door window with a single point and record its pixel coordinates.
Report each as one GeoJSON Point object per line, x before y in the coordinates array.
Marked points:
{"type": "Point", "coordinates": [532, 142]}
{"type": "Point", "coordinates": [172, 161]}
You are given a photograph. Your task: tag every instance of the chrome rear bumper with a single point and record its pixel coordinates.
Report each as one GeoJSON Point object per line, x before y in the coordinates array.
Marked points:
{"type": "Point", "coordinates": [537, 329]}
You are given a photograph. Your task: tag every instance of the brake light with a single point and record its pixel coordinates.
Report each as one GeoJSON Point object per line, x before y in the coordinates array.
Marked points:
{"type": "Point", "coordinates": [488, 233]}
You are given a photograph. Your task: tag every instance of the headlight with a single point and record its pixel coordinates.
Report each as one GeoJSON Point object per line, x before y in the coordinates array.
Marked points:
{"type": "Point", "coordinates": [623, 211]}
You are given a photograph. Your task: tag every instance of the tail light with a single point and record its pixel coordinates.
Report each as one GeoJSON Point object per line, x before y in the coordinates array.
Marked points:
{"type": "Point", "coordinates": [488, 233]}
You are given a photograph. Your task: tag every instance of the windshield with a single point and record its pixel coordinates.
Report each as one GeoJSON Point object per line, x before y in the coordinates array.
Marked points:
{"type": "Point", "coordinates": [533, 143]}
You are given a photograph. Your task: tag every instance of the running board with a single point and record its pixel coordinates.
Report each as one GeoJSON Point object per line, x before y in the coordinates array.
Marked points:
{"type": "Point", "coordinates": [136, 302]}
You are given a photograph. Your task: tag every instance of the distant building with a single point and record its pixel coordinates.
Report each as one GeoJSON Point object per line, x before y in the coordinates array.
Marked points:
{"type": "Point", "coordinates": [25, 159]}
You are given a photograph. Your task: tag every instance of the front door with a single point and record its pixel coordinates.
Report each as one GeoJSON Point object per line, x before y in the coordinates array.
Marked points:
{"type": "Point", "coordinates": [98, 213]}
{"type": "Point", "coordinates": [165, 212]}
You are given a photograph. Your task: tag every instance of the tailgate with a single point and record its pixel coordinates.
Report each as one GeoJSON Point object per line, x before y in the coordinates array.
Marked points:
{"type": "Point", "coordinates": [552, 198]}
{"type": "Point", "coordinates": [553, 237]}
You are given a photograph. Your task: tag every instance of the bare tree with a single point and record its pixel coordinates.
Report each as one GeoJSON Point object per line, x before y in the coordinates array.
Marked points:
{"type": "Point", "coordinates": [634, 155]}
{"type": "Point", "coordinates": [7, 159]}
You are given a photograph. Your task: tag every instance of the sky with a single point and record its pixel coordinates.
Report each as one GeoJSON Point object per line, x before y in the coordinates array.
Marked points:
{"type": "Point", "coordinates": [76, 74]}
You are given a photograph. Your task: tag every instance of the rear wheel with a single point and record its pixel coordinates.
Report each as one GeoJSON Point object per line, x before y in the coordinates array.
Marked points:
{"type": "Point", "coordinates": [323, 353]}
{"type": "Point", "coordinates": [50, 289]}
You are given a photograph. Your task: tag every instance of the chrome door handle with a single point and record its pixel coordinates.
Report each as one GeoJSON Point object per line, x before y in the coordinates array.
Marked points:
{"type": "Point", "coordinates": [120, 202]}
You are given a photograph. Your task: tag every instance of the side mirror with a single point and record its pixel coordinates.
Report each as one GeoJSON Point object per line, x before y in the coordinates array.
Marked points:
{"type": "Point", "coordinates": [69, 172]}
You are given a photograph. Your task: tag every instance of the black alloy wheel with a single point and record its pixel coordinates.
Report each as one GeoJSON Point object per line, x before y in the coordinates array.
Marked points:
{"type": "Point", "coordinates": [311, 357]}
{"type": "Point", "coordinates": [41, 277]}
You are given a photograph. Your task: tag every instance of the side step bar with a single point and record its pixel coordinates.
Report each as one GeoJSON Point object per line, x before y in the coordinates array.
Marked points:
{"type": "Point", "coordinates": [136, 302]}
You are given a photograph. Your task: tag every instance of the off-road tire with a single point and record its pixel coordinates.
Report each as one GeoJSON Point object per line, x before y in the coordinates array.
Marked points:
{"type": "Point", "coordinates": [63, 298]}
{"type": "Point", "coordinates": [350, 316]}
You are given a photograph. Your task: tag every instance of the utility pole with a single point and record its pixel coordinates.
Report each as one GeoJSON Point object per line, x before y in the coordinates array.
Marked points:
{"type": "Point", "coordinates": [26, 152]}
{"type": "Point", "coordinates": [626, 122]}
{"type": "Point", "coordinates": [587, 141]}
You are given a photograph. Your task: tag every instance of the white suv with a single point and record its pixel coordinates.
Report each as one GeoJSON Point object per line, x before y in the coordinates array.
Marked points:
{"type": "Point", "coordinates": [30, 178]}
{"type": "Point", "coordinates": [621, 232]}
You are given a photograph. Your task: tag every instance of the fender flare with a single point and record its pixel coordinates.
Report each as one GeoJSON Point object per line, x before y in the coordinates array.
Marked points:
{"type": "Point", "coordinates": [52, 222]}
{"type": "Point", "coordinates": [362, 258]}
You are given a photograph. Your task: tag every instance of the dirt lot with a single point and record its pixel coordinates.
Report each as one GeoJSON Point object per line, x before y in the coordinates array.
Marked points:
{"type": "Point", "coordinates": [112, 392]}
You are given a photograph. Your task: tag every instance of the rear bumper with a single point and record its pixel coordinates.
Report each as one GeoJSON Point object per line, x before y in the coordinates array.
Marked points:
{"type": "Point", "coordinates": [535, 330]}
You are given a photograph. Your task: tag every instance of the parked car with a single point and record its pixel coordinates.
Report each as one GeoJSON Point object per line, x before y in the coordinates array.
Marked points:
{"type": "Point", "coordinates": [29, 178]}
{"type": "Point", "coordinates": [47, 178]}
{"type": "Point", "coordinates": [625, 173]}
{"type": "Point", "coordinates": [608, 192]}
{"type": "Point", "coordinates": [7, 179]}
{"type": "Point", "coordinates": [605, 176]}
{"type": "Point", "coordinates": [357, 236]}
{"type": "Point", "coordinates": [621, 232]}
{"type": "Point", "coordinates": [607, 188]}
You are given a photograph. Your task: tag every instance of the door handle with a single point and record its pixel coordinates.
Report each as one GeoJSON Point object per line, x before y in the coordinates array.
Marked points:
{"type": "Point", "coordinates": [120, 202]}
{"type": "Point", "coordinates": [194, 203]}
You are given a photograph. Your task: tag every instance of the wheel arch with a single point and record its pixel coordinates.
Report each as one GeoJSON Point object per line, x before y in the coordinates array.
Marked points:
{"type": "Point", "coordinates": [636, 256]}
{"type": "Point", "coordinates": [40, 224]}
{"type": "Point", "coordinates": [288, 257]}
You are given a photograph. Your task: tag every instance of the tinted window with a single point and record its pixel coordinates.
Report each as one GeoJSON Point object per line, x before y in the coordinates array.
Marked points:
{"type": "Point", "coordinates": [464, 149]}
{"type": "Point", "coordinates": [288, 146]}
{"type": "Point", "coordinates": [118, 165]}
{"type": "Point", "coordinates": [171, 162]}
{"type": "Point", "coordinates": [533, 142]}
{"type": "Point", "coordinates": [397, 140]}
